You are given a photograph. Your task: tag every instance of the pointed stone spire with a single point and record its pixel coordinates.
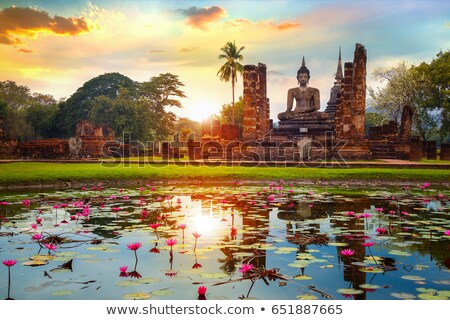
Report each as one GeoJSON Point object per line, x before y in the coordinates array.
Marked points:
{"type": "Point", "coordinates": [339, 74]}
{"type": "Point", "coordinates": [303, 61]}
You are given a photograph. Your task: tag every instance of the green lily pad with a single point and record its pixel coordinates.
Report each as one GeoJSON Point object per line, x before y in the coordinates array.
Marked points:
{"type": "Point", "coordinates": [35, 263]}
{"type": "Point", "coordinates": [371, 270]}
{"type": "Point", "coordinates": [413, 278]}
{"type": "Point", "coordinates": [302, 278]}
{"type": "Point", "coordinates": [307, 296]}
{"type": "Point", "coordinates": [42, 257]}
{"type": "Point", "coordinates": [369, 286]}
{"type": "Point", "coordinates": [127, 283]}
{"type": "Point", "coordinates": [338, 244]}
{"type": "Point", "coordinates": [218, 275]}
{"type": "Point", "coordinates": [431, 296]}
{"type": "Point", "coordinates": [63, 293]}
{"type": "Point", "coordinates": [403, 295]}
{"type": "Point", "coordinates": [137, 296]}
{"type": "Point", "coordinates": [162, 293]}
{"type": "Point", "coordinates": [349, 291]}
{"type": "Point", "coordinates": [148, 280]}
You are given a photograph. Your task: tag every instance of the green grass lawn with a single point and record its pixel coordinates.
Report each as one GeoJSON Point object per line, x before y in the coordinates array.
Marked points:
{"type": "Point", "coordinates": [23, 173]}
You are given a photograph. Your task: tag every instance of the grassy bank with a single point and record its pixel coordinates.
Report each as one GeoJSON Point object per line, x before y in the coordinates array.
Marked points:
{"type": "Point", "coordinates": [28, 173]}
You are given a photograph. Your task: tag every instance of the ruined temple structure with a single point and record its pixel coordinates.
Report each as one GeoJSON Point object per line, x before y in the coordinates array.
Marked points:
{"type": "Point", "coordinates": [93, 138]}
{"type": "Point", "coordinates": [303, 131]}
{"type": "Point", "coordinates": [88, 143]}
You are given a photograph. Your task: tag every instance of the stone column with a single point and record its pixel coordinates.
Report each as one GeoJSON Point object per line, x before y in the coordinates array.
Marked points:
{"type": "Point", "coordinates": [359, 91]}
{"type": "Point", "coordinates": [431, 150]}
{"type": "Point", "coordinates": [415, 149]}
{"type": "Point", "coordinates": [249, 121]}
{"type": "Point", "coordinates": [445, 151]}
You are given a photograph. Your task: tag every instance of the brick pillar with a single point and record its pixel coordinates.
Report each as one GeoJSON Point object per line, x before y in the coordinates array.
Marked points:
{"type": "Point", "coordinates": [215, 128]}
{"type": "Point", "coordinates": [249, 121]}
{"type": "Point", "coordinates": [431, 150]}
{"type": "Point", "coordinates": [359, 91]}
{"type": "Point", "coordinates": [415, 149]}
{"type": "Point", "coordinates": [346, 102]}
{"type": "Point", "coordinates": [206, 127]}
{"type": "Point", "coordinates": [261, 101]}
{"type": "Point", "coordinates": [445, 151]}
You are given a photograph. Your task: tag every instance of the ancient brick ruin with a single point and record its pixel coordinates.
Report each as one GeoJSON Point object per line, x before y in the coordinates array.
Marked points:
{"type": "Point", "coordinates": [256, 122]}
{"type": "Point", "coordinates": [88, 142]}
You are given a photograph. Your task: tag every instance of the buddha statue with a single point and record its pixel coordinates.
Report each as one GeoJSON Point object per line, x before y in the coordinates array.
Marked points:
{"type": "Point", "coordinates": [307, 99]}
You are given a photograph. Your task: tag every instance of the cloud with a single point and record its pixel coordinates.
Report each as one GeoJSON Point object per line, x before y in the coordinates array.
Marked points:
{"type": "Point", "coordinates": [199, 18]}
{"type": "Point", "coordinates": [287, 25]}
{"type": "Point", "coordinates": [186, 50]}
{"type": "Point", "coordinates": [25, 51]}
{"type": "Point", "coordinates": [18, 22]}
{"type": "Point", "coordinates": [282, 26]}
{"type": "Point", "coordinates": [157, 51]}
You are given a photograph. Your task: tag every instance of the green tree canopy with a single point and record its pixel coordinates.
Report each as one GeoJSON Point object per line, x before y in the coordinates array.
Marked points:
{"type": "Point", "coordinates": [78, 106]}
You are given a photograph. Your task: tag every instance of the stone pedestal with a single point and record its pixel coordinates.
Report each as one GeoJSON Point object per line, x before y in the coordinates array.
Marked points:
{"type": "Point", "coordinates": [431, 150]}
{"type": "Point", "coordinates": [194, 150]}
{"type": "Point", "coordinates": [445, 151]}
{"type": "Point", "coordinates": [415, 151]}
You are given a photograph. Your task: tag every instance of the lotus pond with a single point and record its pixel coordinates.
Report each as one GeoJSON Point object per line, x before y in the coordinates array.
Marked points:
{"type": "Point", "coordinates": [279, 241]}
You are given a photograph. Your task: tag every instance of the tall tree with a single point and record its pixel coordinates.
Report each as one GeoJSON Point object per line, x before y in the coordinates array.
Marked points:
{"type": "Point", "coordinates": [78, 106]}
{"type": "Point", "coordinates": [232, 66]}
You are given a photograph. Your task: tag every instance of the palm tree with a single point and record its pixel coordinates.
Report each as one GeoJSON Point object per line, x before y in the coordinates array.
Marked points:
{"type": "Point", "coordinates": [231, 67]}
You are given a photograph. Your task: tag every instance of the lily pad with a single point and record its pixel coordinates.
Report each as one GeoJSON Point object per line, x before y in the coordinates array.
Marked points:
{"type": "Point", "coordinates": [137, 296]}
{"type": "Point", "coordinates": [431, 296]}
{"type": "Point", "coordinates": [369, 286]}
{"type": "Point", "coordinates": [63, 293]}
{"type": "Point", "coordinates": [413, 278]}
{"type": "Point", "coordinates": [218, 275]}
{"type": "Point", "coordinates": [338, 244]}
{"type": "Point", "coordinates": [302, 278]}
{"type": "Point", "coordinates": [162, 293]}
{"type": "Point", "coordinates": [148, 280]}
{"type": "Point", "coordinates": [307, 296]}
{"type": "Point", "coordinates": [127, 283]}
{"type": "Point", "coordinates": [403, 295]}
{"type": "Point", "coordinates": [350, 291]}
{"type": "Point", "coordinates": [35, 263]}
{"type": "Point", "coordinates": [42, 257]}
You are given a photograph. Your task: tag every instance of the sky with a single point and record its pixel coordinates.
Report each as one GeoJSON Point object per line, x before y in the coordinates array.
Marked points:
{"type": "Point", "coordinates": [54, 47]}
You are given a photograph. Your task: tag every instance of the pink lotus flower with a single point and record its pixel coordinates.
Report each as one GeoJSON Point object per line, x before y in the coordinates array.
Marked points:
{"type": "Point", "coordinates": [123, 271]}
{"type": "Point", "coordinates": [37, 236]}
{"type": "Point", "coordinates": [368, 244]}
{"type": "Point", "coordinates": [379, 210]}
{"type": "Point", "coordinates": [246, 267]}
{"type": "Point", "coordinates": [134, 246]}
{"type": "Point", "coordinates": [9, 263]}
{"type": "Point", "coordinates": [125, 197]}
{"type": "Point", "coordinates": [447, 232]}
{"type": "Point", "coordinates": [154, 226]}
{"type": "Point", "coordinates": [366, 215]}
{"type": "Point", "coordinates": [381, 230]}
{"type": "Point", "coordinates": [392, 212]}
{"type": "Point", "coordinates": [26, 202]}
{"type": "Point", "coordinates": [201, 290]}
{"type": "Point", "coordinates": [350, 213]}
{"type": "Point", "coordinates": [51, 246]}
{"type": "Point", "coordinates": [347, 252]}
{"type": "Point", "coordinates": [196, 235]}
{"type": "Point", "coordinates": [233, 230]}
{"type": "Point", "coordinates": [39, 220]}
{"type": "Point", "coordinates": [182, 226]}
{"type": "Point", "coordinates": [404, 213]}
{"type": "Point", "coordinates": [116, 209]}
{"type": "Point", "coordinates": [171, 242]}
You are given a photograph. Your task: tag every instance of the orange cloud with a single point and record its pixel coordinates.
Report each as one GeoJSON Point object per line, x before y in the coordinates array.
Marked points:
{"type": "Point", "coordinates": [186, 50]}
{"type": "Point", "coordinates": [25, 51]}
{"type": "Point", "coordinates": [287, 25]}
{"type": "Point", "coordinates": [262, 23]}
{"type": "Point", "coordinates": [200, 17]}
{"type": "Point", "coordinates": [18, 21]}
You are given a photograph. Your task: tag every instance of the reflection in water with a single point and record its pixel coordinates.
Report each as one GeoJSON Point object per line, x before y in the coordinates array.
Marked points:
{"type": "Point", "coordinates": [292, 239]}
